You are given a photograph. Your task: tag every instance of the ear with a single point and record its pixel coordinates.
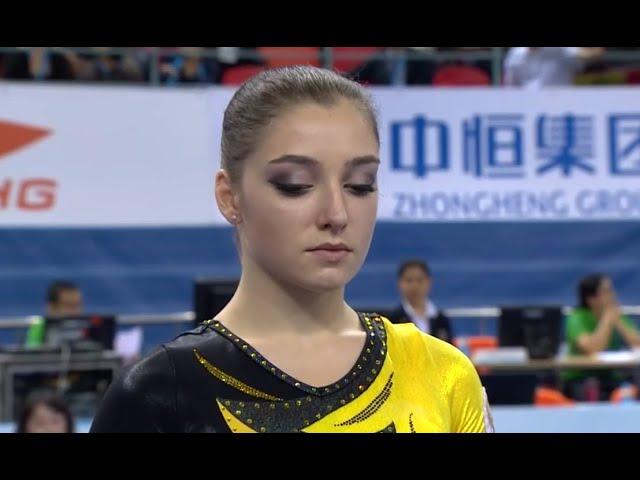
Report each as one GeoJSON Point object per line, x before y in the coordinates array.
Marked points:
{"type": "Point", "coordinates": [226, 198]}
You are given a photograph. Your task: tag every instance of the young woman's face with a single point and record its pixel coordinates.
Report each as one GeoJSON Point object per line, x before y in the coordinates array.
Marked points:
{"type": "Point", "coordinates": [44, 419]}
{"type": "Point", "coordinates": [308, 196]}
{"type": "Point", "coordinates": [605, 295]}
{"type": "Point", "coordinates": [414, 284]}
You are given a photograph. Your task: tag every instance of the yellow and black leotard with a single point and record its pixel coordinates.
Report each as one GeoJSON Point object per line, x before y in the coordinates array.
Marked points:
{"type": "Point", "coordinates": [209, 380]}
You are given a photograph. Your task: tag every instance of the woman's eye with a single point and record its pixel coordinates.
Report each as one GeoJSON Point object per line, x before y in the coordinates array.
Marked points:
{"type": "Point", "coordinates": [361, 189]}
{"type": "Point", "coordinates": [291, 189]}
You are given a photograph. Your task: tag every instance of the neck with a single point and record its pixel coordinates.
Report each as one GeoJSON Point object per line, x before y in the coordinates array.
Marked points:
{"type": "Point", "coordinates": [419, 304]}
{"type": "Point", "coordinates": [262, 307]}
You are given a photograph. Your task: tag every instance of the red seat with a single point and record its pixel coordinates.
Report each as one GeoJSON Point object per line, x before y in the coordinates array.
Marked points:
{"type": "Point", "coordinates": [347, 59]}
{"type": "Point", "coordinates": [633, 76]}
{"type": "Point", "coordinates": [283, 56]}
{"type": "Point", "coordinates": [240, 74]}
{"type": "Point", "coordinates": [460, 76]}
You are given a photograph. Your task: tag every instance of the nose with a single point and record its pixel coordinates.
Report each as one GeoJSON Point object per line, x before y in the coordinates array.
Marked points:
{"type": "Point", "coordinates": [333, 210]}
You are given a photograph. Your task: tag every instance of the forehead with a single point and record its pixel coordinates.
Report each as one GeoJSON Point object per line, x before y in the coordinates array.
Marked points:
{"type": "Point", "coordinates": [605, 284]}
{"type": "Point", "coordinates": [70, 292]}
{"type": "Point", "coordinates": [323, 132]}
{"type": "Point", "coordinates": [414, 271]}
{"type": "Point", "coordinates": [44, 410]}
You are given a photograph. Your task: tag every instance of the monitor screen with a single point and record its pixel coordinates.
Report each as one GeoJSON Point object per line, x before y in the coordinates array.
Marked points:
{"type": "Point", "coordinates": [94, 331]}
{"type": "Point", "coordinates": [538, 328]}
{"type": "Point", "coordinates": [211, 296]}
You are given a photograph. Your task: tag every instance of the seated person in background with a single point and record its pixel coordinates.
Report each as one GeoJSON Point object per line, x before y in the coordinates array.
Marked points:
{"type": "Point", "coordinates": [536, 67]}
{"type": "Point", "coordinates": [596, 325]}
{"type": "Point", "coordinates": [405, 65]}
{"type": "Point", "coordinates": [392, 67]}
{"type": "Point", "coordinates": [45, 413]}
{"type": "Point", "coordinates": [414, 283]}
{"type": "Point", "coordinates": [188, 66]}
{"type": "Point", "coordinates": [63, 298]}
{"type": "Point", "coordinates": [103, 65]}
{"type": "Point", "coordinates": [39, 63]}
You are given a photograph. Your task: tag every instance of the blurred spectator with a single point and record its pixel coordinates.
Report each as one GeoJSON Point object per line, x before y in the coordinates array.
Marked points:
{"type": "Point", "coordinates": [126, 67]}
{"type": "Point", "coordinates": [536, 67]}
{"type": "Point", "coordinates": [188, 66]}
{"type": "Point", "coordinates": [38, 63]}
{"type": "Point", "coordinates": [45, 413]}
{"type": "Point", "coordinates": [392, 67]}
{"type": "Point", "coordinates": [63, 298]}
{"type": "Point", "coordinates": [596, 325]}
{"type": "Point", "coordinates": [105, 65]}
{"type": "Point", "coordinates": [58, 63]}
{"type": "Point", "coordinates": [414, 283]}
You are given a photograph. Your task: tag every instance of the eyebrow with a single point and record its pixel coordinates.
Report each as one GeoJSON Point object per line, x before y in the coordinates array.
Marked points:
{"type": "Point", "coordinates": [308, 161]}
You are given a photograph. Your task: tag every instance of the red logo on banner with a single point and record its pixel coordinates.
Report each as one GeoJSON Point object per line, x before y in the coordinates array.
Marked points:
{"type": "Point", "coordinates": [28, 194]}
{"type": "Point", "coordinates": [14, 136]}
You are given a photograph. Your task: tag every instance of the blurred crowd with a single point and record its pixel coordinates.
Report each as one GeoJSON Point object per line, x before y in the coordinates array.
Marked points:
{"type": "Point", "coordinates": [440, 66]}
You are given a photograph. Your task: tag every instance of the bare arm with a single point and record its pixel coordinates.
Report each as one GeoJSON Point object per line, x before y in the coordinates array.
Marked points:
{"type": "Point", "coordinates": [82, 69]}
{"type": "Point", "coordinates": [36, 59]}
{"type": "Point", "coordinates": [597, 341]}
{"type": "Point", "coordinates": [590, 53]}
{"type": "Point", "coordinates": [629, 334]}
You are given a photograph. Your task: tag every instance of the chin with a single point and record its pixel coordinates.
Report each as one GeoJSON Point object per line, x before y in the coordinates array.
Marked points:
{"type": "Point", "coordinates": [326, 280]}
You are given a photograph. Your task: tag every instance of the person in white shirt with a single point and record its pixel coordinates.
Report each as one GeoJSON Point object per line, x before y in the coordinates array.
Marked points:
{"type": "Point", "coordinates": [414, 283]}
{"type": "Point", "coordinates": [538, 67]}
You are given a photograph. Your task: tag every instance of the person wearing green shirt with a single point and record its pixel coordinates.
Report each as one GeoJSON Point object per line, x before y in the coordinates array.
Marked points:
{"type": "Point", "coordinates": [597, 324]}
{"type": "Point", "coordinates": [63, 298]}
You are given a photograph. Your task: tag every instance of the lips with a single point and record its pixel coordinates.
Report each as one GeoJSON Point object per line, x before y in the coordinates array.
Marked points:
{"type": "Point", "coordinates": [331, 247]}
{"type": "Point", "coordinates": [330, 253]}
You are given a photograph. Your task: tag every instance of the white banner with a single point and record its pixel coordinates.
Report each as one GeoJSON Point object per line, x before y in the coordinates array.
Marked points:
{"type": "Point", "coordinates": [510, 154]}
{"type": "Point", "coordinates": [112, 156]}
{"type": "Point", "coordinates": [121, 156]}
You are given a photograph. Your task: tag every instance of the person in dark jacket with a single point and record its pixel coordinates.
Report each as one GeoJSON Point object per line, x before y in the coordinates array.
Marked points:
{"type": "Point", "coordinates": [414, 284]}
